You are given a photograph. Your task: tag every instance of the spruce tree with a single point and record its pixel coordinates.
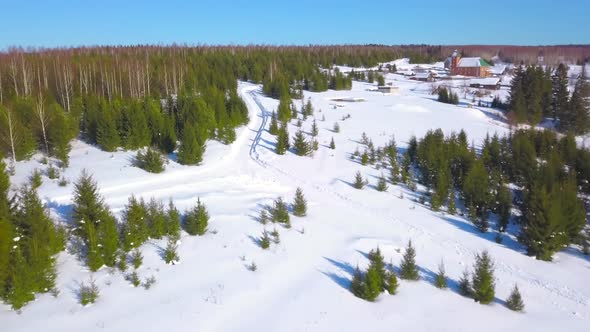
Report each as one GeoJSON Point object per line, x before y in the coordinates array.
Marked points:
{"type": "Point", "coordinates": [196, 220]}
{"type": "Point", "coordinates": [332, 144]}
{"type": "Point", "coordinates": [452, 207]}
{"type": "Point", "coordinates": [560, 91]}
{"type": "Point", "coordinates": [299, 204]}
{"type": "Point", "coordinates": [273, 128]}
{"type": "Point", "coordinates": [172, 221]}
{"type": "Point", "coordinates": [171, 252]}
{"type": "Point", "coordinates": [504, 202]}
{"type": "Point", "coordinates": [359, 182]}
{"type": "Point", "coordinates": [382, 183]}
{"type": "Point", "coordinates": [108, 238]}
{"type": "Point", "coordinates": [264, 240]}
{"type": "Point", "coordinates": [373, 284]}
{"type": "Point", "coordinates": [20, 290]}
{"type": "Point", "coordinates": [465, 284]}
{"type": "Point", "coordinates": [376, 259]}
{"type": "Point", "coordinates": [300, 144]}
{"type": "Point", "coordinates": [279, 212]}
{"type": "Point", "coordinates": [314, 129]}
{"type": "Point", "coordinates": [483, 278]}
{"type": "Point", "coordinates": [441, 277]}
{"type": "Point", "coordinates": [514, 301]}
{"type": "Point", "coordinates": [151, 160]}
{"type": "Point", "coordinates": [357, 285]}
{"type": "Point", "coordinates": [156, 219]}
{"type": "Point", "coordinates": [392, 283]}
{"type": "Point", "coordinates": [282, 144]}
{"type": "Point", "coordinates": [135, 230]}
{"type": "Point", "coordinates": [408, 269]}
{"type": "Point", "coordinates": [191, 150]}
{"type": "Point", "coordinates": [575, 118]}
{"type": "Point", "coordinates": [6, 229]}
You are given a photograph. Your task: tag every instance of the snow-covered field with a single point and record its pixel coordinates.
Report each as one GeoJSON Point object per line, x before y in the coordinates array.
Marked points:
{"type": "Point", "coordinates": [302, 283]}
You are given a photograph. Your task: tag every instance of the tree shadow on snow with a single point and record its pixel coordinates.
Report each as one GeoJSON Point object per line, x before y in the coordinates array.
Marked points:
{"type": "Point", "coordinates": [342, 280]}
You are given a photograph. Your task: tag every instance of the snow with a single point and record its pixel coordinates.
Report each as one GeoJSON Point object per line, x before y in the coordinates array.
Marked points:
{"type": "Point", "coordinates": [301, 283]}
{"type": "Point", "coordinates": [470, 62]}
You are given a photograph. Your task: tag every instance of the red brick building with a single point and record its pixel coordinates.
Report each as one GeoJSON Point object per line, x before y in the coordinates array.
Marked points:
{"type": "Point", "coordinates": [476, 66]}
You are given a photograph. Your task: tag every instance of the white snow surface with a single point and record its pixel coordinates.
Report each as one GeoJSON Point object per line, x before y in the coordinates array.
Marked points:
{"type": "Point", "coordinates": [302, 283]}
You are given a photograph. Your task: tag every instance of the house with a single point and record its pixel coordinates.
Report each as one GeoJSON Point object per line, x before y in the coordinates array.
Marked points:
{"type": "Point", "coordinates": [387, 89]}
{"type": "Point", "coordinates": [474, 66]}
{"type": "Point", "coordinates": [491, 83]}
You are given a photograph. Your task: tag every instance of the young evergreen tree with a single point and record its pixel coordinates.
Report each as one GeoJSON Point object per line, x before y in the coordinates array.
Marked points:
{"type": "Point", "coordinates": [504, 202]}
{"type": "Point", "coordinates": [359, 182]}
{"type": "Point", "coordinates": [314, 129]}
{"type": "Point", "coordinates": [136, 258]}
{"type": "Point", "coordinates": [282, 140]}
{"type": "Point", "coordinates": [373, 284]}
{"type": "Point", "coordinates": [483, 278]}
{"type": "Point", "coordinates": [151, 160]}
{"type": "Point", "coordinates": [560, 93]}
{"type": "Point", "coordinates": [575, 118]}
{"type": "Point", "coordinates": [135, 230]}
{"type": "Point", "coordinates": [6, 230]}
{"type": "Point", "coordinates": [452, 207]}
{"type": "Point", "coordinates": [196, 220]}
{"type": "Point", "coordinates": [156, 219]}
{"type": "Point", "coordinates": [191, 150]}
{"type": "Point", "coordinates": [336, 127]}
{"type": "Point", "coordinates": [441, 277]}
{"type": "Point", "coordinates": [300, 144]}
{"type": "Point", "coordinates": [172, 221]}
{"type": "Point", "coordinates": [273, 128]}
{"type": "Point", "coordinates": [171, 252]}
{"type": "Point", "coordinates": [408, 268]}
{"type": "Point", "coordinates": [279, 212]}
{"type": "Point", "coordinates": [514, 301]}
{"type": "Point", "coordinates": [382, 183]}
{"type": "Point", "coordinates": [357, 285]}
{"type": "Point", "coordinates": [465, 284]}
{"type": "Point", "coordinates": [264, 240]}
{"type": "Point", "coordinates": [392, 283]}
{"type": "Point", "coordinates": [299, 204]}
{"type": "Point", "coordinates": [332, 144]}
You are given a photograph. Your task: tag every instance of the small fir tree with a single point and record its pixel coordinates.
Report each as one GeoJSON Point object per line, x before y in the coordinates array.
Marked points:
{"type": "Point", "coordinates": [382, 183]}
{"type": "Point", "coordinates": [332, 144]}
{"type": "Point", "coordinates": [264, 240]}
{"type": "Point", "coordinates": [151, 160]}
{"type": "Point", "coordinates": [314, 129]}
{"type": "Point", "coordinates": [357, 285]}
{"type": "Point", "coordinates": [279, 212]}
{"type": "Point", "coordinates": [465, 284]}
{"type": "Point", "coordinates": [514, 301]}
{"type": "Point", "coordinates": [483, 279]}
{"type": "Point", "coordinates": [136, 258]}
{"type": "Point", "coordinates": [392, 283]}
{"type": "Point", "coordinates": [441, 277]}
{"type": "Point", "coordinates": [273, 128]}
{"type": "Point", "coordinates": [408, 269]}
{"type": "Point", "coordinates": [282, 140]}
{"type": "Point", "coordinates": [299, 204]}
{"type": "Point", "coordinates": [336, 127]}
{"type": "Point", "coordinates": [171, 252]}
{"type": "Point", "coordinates": [359, 182]}
{"type": "Point", "coordinates": [300, 144]}
{"type": "Point", "coordinates": [196, 220]}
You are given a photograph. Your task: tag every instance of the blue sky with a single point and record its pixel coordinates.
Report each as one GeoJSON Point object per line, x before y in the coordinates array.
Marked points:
{"type": "Point", "coordinates": [47, 23]}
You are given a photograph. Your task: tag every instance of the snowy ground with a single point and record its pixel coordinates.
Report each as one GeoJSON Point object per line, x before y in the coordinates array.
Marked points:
{"type": "Point", "coordinates": [301, 284]}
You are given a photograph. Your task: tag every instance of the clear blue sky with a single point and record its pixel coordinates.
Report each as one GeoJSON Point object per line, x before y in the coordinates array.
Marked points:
{"type": "Point", "coordinates": [49, 23]}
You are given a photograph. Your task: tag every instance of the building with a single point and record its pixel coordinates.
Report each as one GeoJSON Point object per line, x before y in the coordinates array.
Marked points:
{"type": "Point", "coordinates": [476, 66]}
{"type": "Point", "coordinates": [490, 83]}
{"type": "Point", "coordinates": [424, 77]}
{"type": "Point", "coordinates": [387, 89]}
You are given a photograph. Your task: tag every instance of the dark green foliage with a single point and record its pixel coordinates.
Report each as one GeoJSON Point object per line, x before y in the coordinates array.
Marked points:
{"type": "Point", "coordinates": [483, 278]}
{"type": "Point", "coordinates": [476, 193]}
{"type": "Point", "coordinates": [191, 149]}
{"type": "Point", "coordinates": [264, 240]}
{"type": "Point", "coordinates": [465, 284]}
{"type": "Point", "coordinates": [276, 237]}
{"type": "Point", "coordinates": [408, 268]}
{"type": "Point", "coordinates": [35, 179]}
{"type": "Point", "coordinates": [156, 219]}
{"type": "Point", "coordinates": [136, 258]}
{"type": "Point", "coordinates": [364, 158]}
{"type": "Point", "coordinates": [447, 97]}
{"type": "Point", "coordinates": [392, 283]}
{"type": "Point", "coordinates": [284, 110]}
{"type": "Point", "coordinates": [382, 183]}
{"type": "Point", "coordinates": [314, 129]}
{"type": "Point", "coordinates": [282, 140]}
{"type": "Point", "coordinates": [440, 280]}
{"type": "Point", "coordinates": [300, 144]}
{"type": "Point", "coordinates": [197, 219]}
{"type": "Point", "coordinates": [88, 293]}
{"type": "Point", "coordinates": [336, 128]}
{"type": "Point", "coordinates": [151, 160]}
{"type": "Point", "coordinates": [514, 301]}
{"type": "Point", "coordinates": [172, 221]}
{"type": "Point", "coordinates": [575, 118]}
{"type": "Point", "coordinates": [359, 182]}
{"type": "Point", "coordinates": [357, 285]}
{"type": "Point", "coordinates": [332, 144]}
{"type": "Point", "coordinates": [299, 204]}
{"type": "Point", "coordinates": [273, 128]}
{"type": "Point", "coordinates": [369, 285]}
{"type": "Point", "coordinates": [122, 261]}
{"type": "Point", "coordinates": [52, 172]}
{"type": "Point", "coordinates": [504, 204]}
{"type": "Point", "coordinates": [171, 252]}
{"type": "Point", "coordinates": [279, 211]}
{"type": "Point", "coordinates": [135, 229]}
{"type": "Point", "coordinates": [530, 95]}
{"type": "Point", "coordinates": [133, 278]}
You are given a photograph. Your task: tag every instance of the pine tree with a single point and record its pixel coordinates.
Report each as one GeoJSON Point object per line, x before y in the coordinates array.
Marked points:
{"type": "Point", "coordinates": [314, 129]}
{"type": "Point", "coordinates": [392, 283]}
{"type": "Point", "coordinates": [191, 150]}
{"type": "Point", "coordinates": [136, 258]}
{"type": "Point", "coordinates": [560, 91]}
{"type": "Point", "coordinates": [441, 277]}
{"type": "Point", "coordinates": [376, 259]}
{"type": "Point", "coordinates": [172, 221]}
{"type": "Point", "coordinates": [135, 230]}
{"type": "Point", "coordinates": [6, 229]}
{"type": "Point", "coordinates": [514, 301]}
{"type": "Point", "coordinates": [465, 284]}
{"type": "Point", "coordinates": [357, 285]}
{"type": "Point", "coordinates": [279, 212]}
{"type": "Point", "coordinates": [382, 184]}
{"type": "Point", "coordinates": [273, 128]}
{"type": "Point", "coordinates": [300, 144]}
{"type": "Point", "coordinates": [196, 220]}
{"type": "Point", "coordinates": [575, 117]}
{"type": "Point", "coordinates": [483, 279]}
{"type": "Point", "coordinates": [504, 202]}
{"type": "Point", "coordinates": [20, 284]}
{"type": "Point", "coordinates": [332, 144]}
{"type": "Point", "coordinates": [151, 160]}
{"type": "Point", "coordinates": [336, 127]}
{"type": "Point", "coordinates": [108, 238]}
{"type": "Point", "coordinates": [264, 240]}
{"type": "Point", "coordinates": [299, 204]}
{"type": "Point", "coordinates": [156, 219]}
{"type": "Point", "coordinates": [282, 140]}
{"type": "Point", "coordinates": [171, 252]}
{"type": "Point", "coordinates": [107, 135]}
{"type": "Point", "coordinates": [408, 269]}
{"type": "Point", "coordinates": [359, 182]}
{"type": "Point", "coordinates": [452, 208]}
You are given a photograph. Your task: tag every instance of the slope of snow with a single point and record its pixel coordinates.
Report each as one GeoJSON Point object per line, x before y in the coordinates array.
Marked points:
{"type": "Point", "coordinates": [301, 284]}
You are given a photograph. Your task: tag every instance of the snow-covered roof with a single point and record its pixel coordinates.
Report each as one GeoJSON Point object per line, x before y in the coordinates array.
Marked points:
{"type": "Point", "coordinates": [473, 62]}
{"type": "Point", "coordinates": [485, 81]}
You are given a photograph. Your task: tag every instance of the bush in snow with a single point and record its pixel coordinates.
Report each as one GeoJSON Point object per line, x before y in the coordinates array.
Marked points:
{"type": "Point", "coordinates": [136, 258]}
{"type": "Point", "coordinates": [151, 160]}
{"type": "Point", "coordinates": [88, 293]}
{"type": "Point", "coordinates": [441, 278]}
